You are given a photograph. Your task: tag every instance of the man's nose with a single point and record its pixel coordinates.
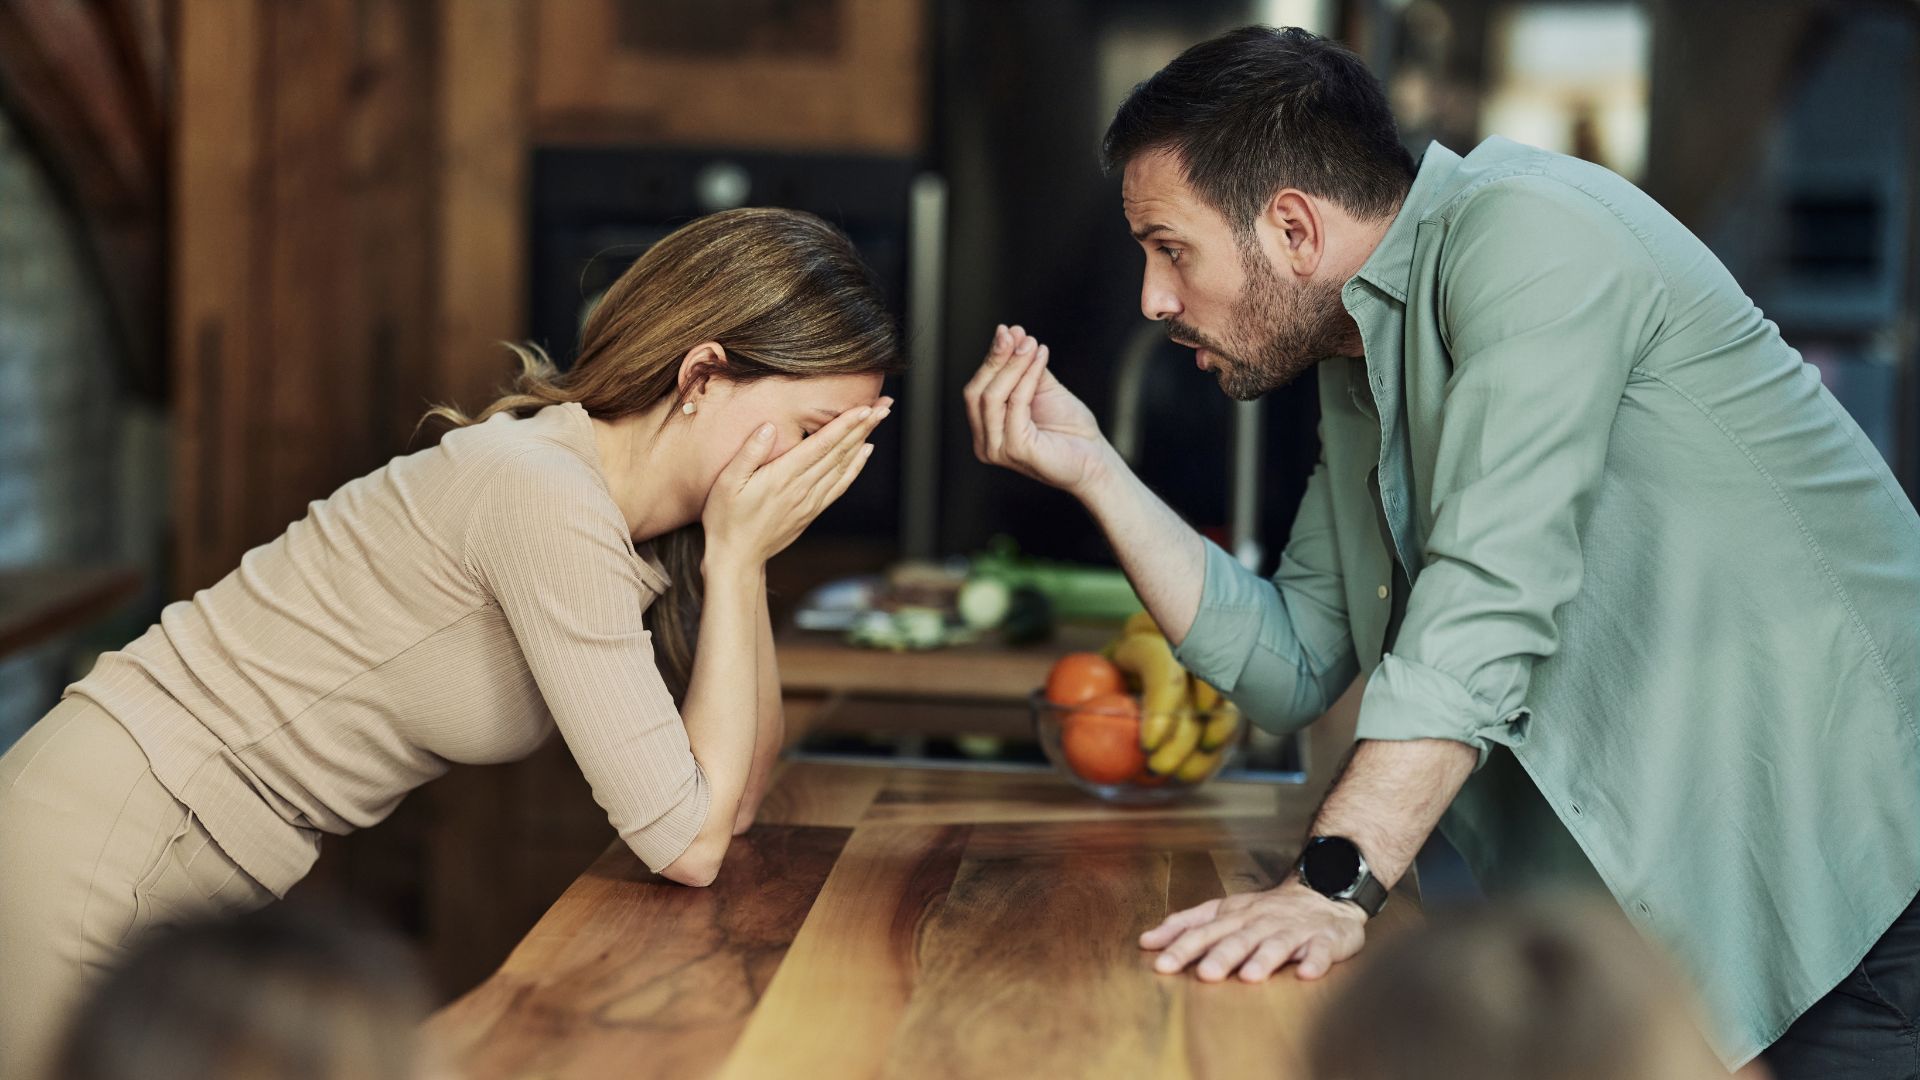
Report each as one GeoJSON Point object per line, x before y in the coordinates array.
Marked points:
{"type": "Point", "coordinates": [1158, 301]}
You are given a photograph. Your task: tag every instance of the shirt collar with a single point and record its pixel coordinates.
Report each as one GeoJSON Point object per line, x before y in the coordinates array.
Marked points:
{"type": "Point", "coordinates": [1390, 266]}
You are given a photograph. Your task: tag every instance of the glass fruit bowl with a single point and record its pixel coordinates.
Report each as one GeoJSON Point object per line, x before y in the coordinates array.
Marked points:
{"type": "Point", "coordinates": [1097, 745]}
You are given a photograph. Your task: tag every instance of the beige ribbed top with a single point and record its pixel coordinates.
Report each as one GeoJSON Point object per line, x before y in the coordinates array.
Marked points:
{"type": "Point", "coordinates": [454, 606]}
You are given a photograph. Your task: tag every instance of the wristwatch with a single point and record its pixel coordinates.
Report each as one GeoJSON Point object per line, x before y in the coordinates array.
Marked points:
{"type": "Point", "coordinates": [1333, 867]}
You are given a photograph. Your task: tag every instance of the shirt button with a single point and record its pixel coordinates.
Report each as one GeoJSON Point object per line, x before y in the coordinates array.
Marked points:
{"type": "Point", "coordinates": [1383, 592]}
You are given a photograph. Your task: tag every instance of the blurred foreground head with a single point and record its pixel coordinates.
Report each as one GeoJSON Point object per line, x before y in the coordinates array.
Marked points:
{"type": "Point", "coordinates": [283, 993]}
{"type": "Point", "coordinates": [1566, 991]}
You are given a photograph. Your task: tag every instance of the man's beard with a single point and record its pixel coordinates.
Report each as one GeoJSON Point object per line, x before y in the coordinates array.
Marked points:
{"type": "Point", "coordinates": [1278, 331]}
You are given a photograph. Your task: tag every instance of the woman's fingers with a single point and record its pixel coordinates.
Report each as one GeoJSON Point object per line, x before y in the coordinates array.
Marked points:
{"type": "Point", "coordinates": [821, 475]}
{"type": "Point", "coordinates": [848, 475]}
{"type": "Point", "coordinates": [800, 464]}
{"type": "Point", "coordinates": [752, 454]}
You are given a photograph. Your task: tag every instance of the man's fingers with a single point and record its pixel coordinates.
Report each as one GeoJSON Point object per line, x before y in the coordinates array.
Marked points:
{"type": "Point", "coordinates": [1016, 335]}
{"type": "Point", "coordinates": [985, 371]}
{"type": "Point", "coordinates": [1192, 944]}
{"type": "Point", "coordinates": [971, 393]}
{"type": "Point", "coordinates": [1227, 954]}
{"type": "Point", "coordinates": [1020, 402]}
{"type": "Point", "coordinates": [1007, 345]}
{"type": "Point", "coordinates": [997, 392]}
{"type": "Point", "coordinates": [1267, 959]}
{"type": "Point", "coordinates": [1316, 957]}
{"type": "Point", "coordinates": [993, 399]}
{"type": "Point", "coordinates": [1002, 347]}
{"type": "Point", "coordinates": [1173, 924]}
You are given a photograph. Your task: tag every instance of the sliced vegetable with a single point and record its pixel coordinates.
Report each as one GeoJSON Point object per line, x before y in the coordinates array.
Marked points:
{"type": "Point", "coordinates": [984, 602]}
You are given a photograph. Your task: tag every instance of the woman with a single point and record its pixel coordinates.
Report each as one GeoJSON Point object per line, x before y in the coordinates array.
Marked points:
{"type": "Point", "coordinates": [460, 603]}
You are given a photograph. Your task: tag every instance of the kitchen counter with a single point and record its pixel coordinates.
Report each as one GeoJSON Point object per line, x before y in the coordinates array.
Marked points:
{"type": "Point", "coordinates": [823, 662]}
{"type": "Point", "coordinates": [906, 922]}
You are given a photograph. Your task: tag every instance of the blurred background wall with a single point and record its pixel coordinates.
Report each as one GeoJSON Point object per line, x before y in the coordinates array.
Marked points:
{"type": "Point", "coordinates": [244, 243]}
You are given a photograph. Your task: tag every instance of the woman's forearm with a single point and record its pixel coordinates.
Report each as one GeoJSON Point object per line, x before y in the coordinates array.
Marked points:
{"type": "Point", "coordinates": [721, 706]}
{"type": "Point", "coordinates": [770, 730]}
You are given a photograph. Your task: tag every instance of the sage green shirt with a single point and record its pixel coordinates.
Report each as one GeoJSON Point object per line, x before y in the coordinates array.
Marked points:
{"type": "Point", "coordinates": [1658, 578]}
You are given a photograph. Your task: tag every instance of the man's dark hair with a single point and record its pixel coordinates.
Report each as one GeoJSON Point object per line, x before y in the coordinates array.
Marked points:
{"type": "Point", "coordinates": [1258, 109]}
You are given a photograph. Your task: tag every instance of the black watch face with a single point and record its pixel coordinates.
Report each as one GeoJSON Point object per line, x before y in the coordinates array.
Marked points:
{"type": "Point", "coordinates": [1330, 865]}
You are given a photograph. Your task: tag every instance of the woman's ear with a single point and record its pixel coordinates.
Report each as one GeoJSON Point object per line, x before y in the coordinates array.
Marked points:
{"type": "Point", "coordinates": [702, 364]}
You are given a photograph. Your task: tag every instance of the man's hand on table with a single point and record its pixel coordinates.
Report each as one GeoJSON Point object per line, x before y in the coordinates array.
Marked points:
{"type": "Point", "coordinates": [1258, 933]}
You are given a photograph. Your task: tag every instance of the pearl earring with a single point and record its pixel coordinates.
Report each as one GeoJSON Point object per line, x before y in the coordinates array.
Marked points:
{"type": "Point", "coordinates": [687, 408]}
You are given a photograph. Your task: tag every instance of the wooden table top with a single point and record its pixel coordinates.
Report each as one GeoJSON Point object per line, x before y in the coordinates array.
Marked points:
{"type": "Point", "coordinates": [902, 922]}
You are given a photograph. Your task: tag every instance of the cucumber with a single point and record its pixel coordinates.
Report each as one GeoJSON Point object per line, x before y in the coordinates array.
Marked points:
{"type": "Point", "coordinates": [1078, 592]}
{"type": "Point", "coordinates": [984, 602]}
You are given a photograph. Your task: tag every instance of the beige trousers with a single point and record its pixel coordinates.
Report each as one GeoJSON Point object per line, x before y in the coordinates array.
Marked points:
{"type": "Point", "coordinates": [93, 851]}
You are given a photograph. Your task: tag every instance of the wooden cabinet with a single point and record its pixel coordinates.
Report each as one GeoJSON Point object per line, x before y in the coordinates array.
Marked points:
{"type": "Point", "coordinates": [349, 201]}
{"type": "Point", "coordinates": [844, 75]}
{"type": "Point", "coordinates": [346, 246]}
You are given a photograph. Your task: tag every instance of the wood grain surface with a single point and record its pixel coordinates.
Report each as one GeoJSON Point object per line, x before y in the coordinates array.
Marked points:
{"type": "Point", "coordinates": [895, 922]}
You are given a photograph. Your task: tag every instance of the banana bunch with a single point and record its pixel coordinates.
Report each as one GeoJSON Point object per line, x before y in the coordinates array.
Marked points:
{"type": "Point", "coordinates": [1185, 725]}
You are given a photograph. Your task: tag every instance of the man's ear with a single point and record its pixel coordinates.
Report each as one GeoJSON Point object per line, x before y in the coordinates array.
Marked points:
{"type": "Point", "coordinates": [702, 364]}
{"type": "Point", "coordinates": [1295, 234]}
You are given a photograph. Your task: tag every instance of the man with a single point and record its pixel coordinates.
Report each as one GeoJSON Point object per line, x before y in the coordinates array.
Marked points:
{"type": "Point", "coordinates": [1635, 599]}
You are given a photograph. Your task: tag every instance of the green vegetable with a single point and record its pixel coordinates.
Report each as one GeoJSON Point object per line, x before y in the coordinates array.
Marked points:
{"type": "Point", "coordinates": [923, 627]}
{"type": "Point", "coordinates": [984, 602]}
{"type": "Point", "coordinates": [1075, 591]}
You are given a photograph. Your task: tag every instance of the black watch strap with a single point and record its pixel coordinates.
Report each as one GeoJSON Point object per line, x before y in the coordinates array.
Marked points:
{"type": "Point", "coordinates": [1370, 895]}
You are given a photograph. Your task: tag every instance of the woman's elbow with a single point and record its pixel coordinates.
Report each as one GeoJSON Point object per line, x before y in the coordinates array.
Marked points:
{"type": "Point", "coordinates": [699, 865]}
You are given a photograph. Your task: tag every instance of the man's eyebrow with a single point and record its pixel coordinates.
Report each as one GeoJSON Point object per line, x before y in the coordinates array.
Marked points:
{"type": "Point", "coordinates": [1145, 231]}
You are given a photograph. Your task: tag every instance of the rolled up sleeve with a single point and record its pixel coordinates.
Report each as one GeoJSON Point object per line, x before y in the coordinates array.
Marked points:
{"type": "Point", "coordinates": [1549, 299]}
{"type": "Point", "coordinates": [1281, 648]}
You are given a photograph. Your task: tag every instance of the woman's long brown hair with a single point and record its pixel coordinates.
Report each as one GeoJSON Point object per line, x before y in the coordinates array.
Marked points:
{"type": "Point", "coordinates": [783, 292]}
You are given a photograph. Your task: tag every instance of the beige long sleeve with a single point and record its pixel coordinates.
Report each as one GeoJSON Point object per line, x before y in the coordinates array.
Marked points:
{"type": "Point", "coordinates": [456, 605]}
{"type": "Point", "coordinates": [556, 574]}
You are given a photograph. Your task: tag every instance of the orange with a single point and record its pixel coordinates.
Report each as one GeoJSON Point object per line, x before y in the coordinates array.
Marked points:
{"type": "Point", "coordinates": [1102, 739]}
{"type": "Point", "coordinates": [1081, 676]}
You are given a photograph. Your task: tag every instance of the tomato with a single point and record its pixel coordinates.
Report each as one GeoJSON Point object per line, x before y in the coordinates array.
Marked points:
{"type": "Point", "coordinates": [1101, 739]}
{"type": "Point", "coordinates": [1081, 676]}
